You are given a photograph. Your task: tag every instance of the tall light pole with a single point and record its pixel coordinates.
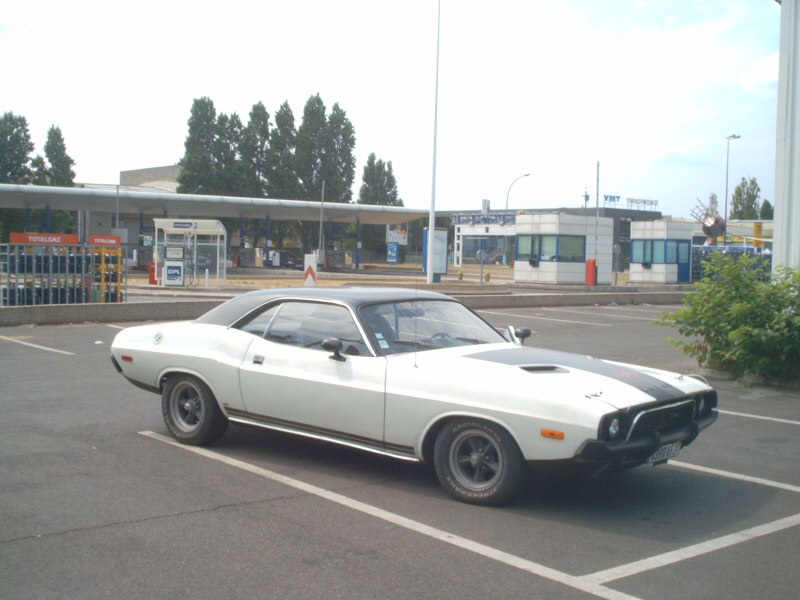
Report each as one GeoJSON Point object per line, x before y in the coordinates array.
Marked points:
{"type": "Point", "coordinates": [432, 215]}
{"type": "Point", "coordinates": [505, 237]}
{"type": "Point", "coordinates": [512, 185]}
{"type": "Point", "coordinates": [727, 161]}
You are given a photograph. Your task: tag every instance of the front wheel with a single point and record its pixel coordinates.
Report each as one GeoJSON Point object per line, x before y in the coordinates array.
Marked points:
{"type": "Point", "coordinates": [478, 462]}
{"type": "Point", "coordinates": [191, 412]}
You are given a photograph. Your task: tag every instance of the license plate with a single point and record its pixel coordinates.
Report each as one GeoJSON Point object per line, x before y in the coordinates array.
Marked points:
{"type": "Point", "coordinates": [663, 454]}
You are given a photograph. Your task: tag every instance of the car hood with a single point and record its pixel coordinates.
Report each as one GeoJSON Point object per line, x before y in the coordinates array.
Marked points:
{"type": "Point", "coordinates": [563, 376]}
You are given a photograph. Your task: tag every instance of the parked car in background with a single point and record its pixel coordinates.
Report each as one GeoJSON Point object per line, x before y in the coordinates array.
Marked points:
{"type": "Point", "coordinates": [410, 374]}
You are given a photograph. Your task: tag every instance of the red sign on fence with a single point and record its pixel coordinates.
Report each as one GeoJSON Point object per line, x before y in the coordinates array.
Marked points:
{"type": "Point", "coordinates": [50, 239]}
{"type": "Point", "coordinates": [105, 240]}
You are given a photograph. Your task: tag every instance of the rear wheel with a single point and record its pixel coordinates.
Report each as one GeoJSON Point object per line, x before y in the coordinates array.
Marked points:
{"type": "Point", "coordinates": [191, 412]}
{"type": "Point", "coordinates": [478, 462]}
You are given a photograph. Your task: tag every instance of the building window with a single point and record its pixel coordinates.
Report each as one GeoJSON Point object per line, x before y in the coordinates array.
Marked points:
{"type": "Point", "coordinates": [555, 248]}
{"type": "Point", "coordinates": [655, 251]}
{"type": "Point", "coordinates": [571, 248]}
{"type": "Point", "coordinates": [524, 243]}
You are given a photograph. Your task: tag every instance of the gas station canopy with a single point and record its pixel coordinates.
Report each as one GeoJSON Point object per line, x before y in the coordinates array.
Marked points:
{"type": "Point", "coordinates": [111, 199]}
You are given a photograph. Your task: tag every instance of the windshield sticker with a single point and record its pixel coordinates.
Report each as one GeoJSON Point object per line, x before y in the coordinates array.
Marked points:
{"type": "Point", "coordinates": [383, 343]}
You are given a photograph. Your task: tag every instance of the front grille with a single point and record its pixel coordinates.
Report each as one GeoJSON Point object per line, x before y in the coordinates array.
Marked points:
{"type": "Point", "coordinates": [662, 419]}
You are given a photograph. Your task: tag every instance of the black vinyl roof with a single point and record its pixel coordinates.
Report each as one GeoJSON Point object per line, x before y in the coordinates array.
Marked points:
{"type": "Point", "coordinates": [234, 309]}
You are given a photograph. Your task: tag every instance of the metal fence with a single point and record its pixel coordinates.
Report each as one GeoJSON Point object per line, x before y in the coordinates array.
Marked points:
{"type": "Point", "coordinates": [701, 253]}
{"type": "Point", "coordinates": [34, 275]}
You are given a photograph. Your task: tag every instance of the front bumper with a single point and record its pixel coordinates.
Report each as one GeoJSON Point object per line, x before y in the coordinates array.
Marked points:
{"type": "Point", "coordinates": [630, 453]}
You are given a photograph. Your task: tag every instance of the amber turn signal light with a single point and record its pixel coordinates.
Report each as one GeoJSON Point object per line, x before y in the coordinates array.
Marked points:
{"type": "Point", "coordinates": [553, 434]}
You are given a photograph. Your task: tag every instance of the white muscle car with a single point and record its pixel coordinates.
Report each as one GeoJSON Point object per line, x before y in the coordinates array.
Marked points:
{"type": "Point", "coordinates": [413, 375]}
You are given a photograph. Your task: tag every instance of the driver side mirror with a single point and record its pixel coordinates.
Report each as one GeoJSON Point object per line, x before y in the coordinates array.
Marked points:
{"type": "Point", "coordinates": [518, 335]}
{"type": "Point", "coordinates": [334, 345]}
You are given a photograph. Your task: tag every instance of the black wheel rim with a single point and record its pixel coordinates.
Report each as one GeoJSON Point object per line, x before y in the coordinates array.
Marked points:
{"type": "Point", "coordinates": [186, 408]}
{"type": "Point", "coordinates": [475, 460]}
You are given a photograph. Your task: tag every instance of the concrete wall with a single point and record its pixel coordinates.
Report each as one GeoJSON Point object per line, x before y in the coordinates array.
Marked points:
{"type": "Point", "coordinates": [11, 316]}
{"type": "Point", "coordinates": [104, 313]}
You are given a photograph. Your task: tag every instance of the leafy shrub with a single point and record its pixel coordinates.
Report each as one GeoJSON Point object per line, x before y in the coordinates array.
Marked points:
{"type": "Point", "coordinates": [736, 320]}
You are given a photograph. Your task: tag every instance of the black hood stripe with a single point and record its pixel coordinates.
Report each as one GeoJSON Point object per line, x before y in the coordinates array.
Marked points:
{"type": "Point", "coordinates": [526, 356]}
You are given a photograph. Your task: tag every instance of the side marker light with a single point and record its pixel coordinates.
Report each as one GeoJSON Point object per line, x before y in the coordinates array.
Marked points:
{"type": "Point", "coordinates": [552, 434]}
{"type": "Point", "coordinates": [127, 357]}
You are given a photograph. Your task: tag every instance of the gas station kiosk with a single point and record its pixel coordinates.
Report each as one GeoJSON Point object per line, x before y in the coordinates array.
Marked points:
{"type": "Point", "coordinates": [188, 252]}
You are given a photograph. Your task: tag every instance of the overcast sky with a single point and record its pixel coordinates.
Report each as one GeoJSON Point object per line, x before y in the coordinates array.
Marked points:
{"type": "Point", "coordinates": [649, 88]}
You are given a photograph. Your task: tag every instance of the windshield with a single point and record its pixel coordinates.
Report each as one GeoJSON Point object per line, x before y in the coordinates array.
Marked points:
{"type": "Point", "coordinates": [415, 326]}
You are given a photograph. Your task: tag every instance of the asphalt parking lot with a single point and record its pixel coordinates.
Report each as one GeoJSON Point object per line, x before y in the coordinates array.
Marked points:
{"type": "Point", "coordinates": [98, 503]}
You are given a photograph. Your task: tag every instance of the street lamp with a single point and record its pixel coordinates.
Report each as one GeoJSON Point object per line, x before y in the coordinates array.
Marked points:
{"type": "Point", "coordinates": [727, 161]}
{"type": "Point", "coordinates": [512, 185]}
{"type": "Point", "coordinates": [505, 237]}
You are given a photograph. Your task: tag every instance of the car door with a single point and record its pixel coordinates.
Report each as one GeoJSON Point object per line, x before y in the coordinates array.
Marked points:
{"type": "Point", "coordinates": [287, 379]}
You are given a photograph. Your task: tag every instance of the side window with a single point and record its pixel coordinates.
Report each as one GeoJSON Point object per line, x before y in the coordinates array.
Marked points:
{"type": "Point", "coordinates": [258, 325]}
{"type": "Point", "coordinates": [524, 247]}
{"type": "Point", "coordinates": [307, 324]}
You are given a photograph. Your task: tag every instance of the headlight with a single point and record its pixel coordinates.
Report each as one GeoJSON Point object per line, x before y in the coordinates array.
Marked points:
{"type": "Point", "coordinates": [705, 403]}
{"type": "Point", "coordinates": [613, 428]}
{"type": "Point", "coordinates": [702, 407]}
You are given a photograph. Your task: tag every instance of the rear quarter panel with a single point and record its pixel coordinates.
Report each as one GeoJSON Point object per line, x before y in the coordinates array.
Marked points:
{"type": "Point", "coordinates": [212, 353]}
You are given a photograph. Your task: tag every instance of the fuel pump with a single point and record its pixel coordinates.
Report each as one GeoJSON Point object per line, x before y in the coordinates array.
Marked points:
{"type": "Point", "coordinates": [184, 250]}
{"type": "Point", "coordinates": [174, 265]}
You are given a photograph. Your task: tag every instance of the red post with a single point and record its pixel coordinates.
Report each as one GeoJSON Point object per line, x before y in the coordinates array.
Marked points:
{"type": "Point", "coordinates": [591, 271]}
{"type": "Point", "coordinates": [153, 280]}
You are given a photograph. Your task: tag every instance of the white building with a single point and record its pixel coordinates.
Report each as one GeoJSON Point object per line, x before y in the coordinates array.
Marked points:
{"type": "Point", "coordinates": [558, 247]}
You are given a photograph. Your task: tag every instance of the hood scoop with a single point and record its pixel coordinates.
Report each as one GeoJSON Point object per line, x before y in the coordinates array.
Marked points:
{"type": "Point", "coordinates": [544, 369]}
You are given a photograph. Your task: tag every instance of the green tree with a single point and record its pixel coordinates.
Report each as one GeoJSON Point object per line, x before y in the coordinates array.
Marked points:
{"type": "Point", "coordinates": [197, 171]}
{"type": "Point", "coordinates": [324, 153]}
{"type": "Point", "coordinates": [339, 163]}
{"type": "Point", "coordinates": [378, 187]}
{"type": "Point", "coordinates": [713, 204]}
{"type": "Point", "coordinates": [766, 212]}
{"type": "Point", "coordinates": [746, 200]}
{"type": "Point", "coordinates": [255, 151]}
{"type": "Point", "coordinates": [228, 168]}
{"type": "Point", "coordinates": [310, 148]}
{"type": "Point", "coordinates": [282, 179]}
{"type": "Point", "coordinates": [55, 170]}
{"type": "Point", "coordinates": [40, 170]}
{"type": "Point", "coordinates": [16, 166]}
{"type": "Point", "coordinates": [15, 149]}
{"type": "Point", "coordinates": [60, 162]}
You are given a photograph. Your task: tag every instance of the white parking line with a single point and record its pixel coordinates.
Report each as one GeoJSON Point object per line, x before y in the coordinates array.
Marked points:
{"type": "Point", "coordinates": [760, 481]}
{"type": "Point", "coordinates": [580, 583]}
{"type": "Point", "coordinates": [16, 341]}
{"type": "Point", "coordinates": [591, 583]}
{"type": "Point", "coordinates": [489, 312]}
{"type": "Point", "coordinates": [605, 314]}
{"type": "Point", "coordinates": [749, 416]}
{"type": "Point", "coordinates": [649, 308]}
{"type": "Point", "coordinates": [668, 558]}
